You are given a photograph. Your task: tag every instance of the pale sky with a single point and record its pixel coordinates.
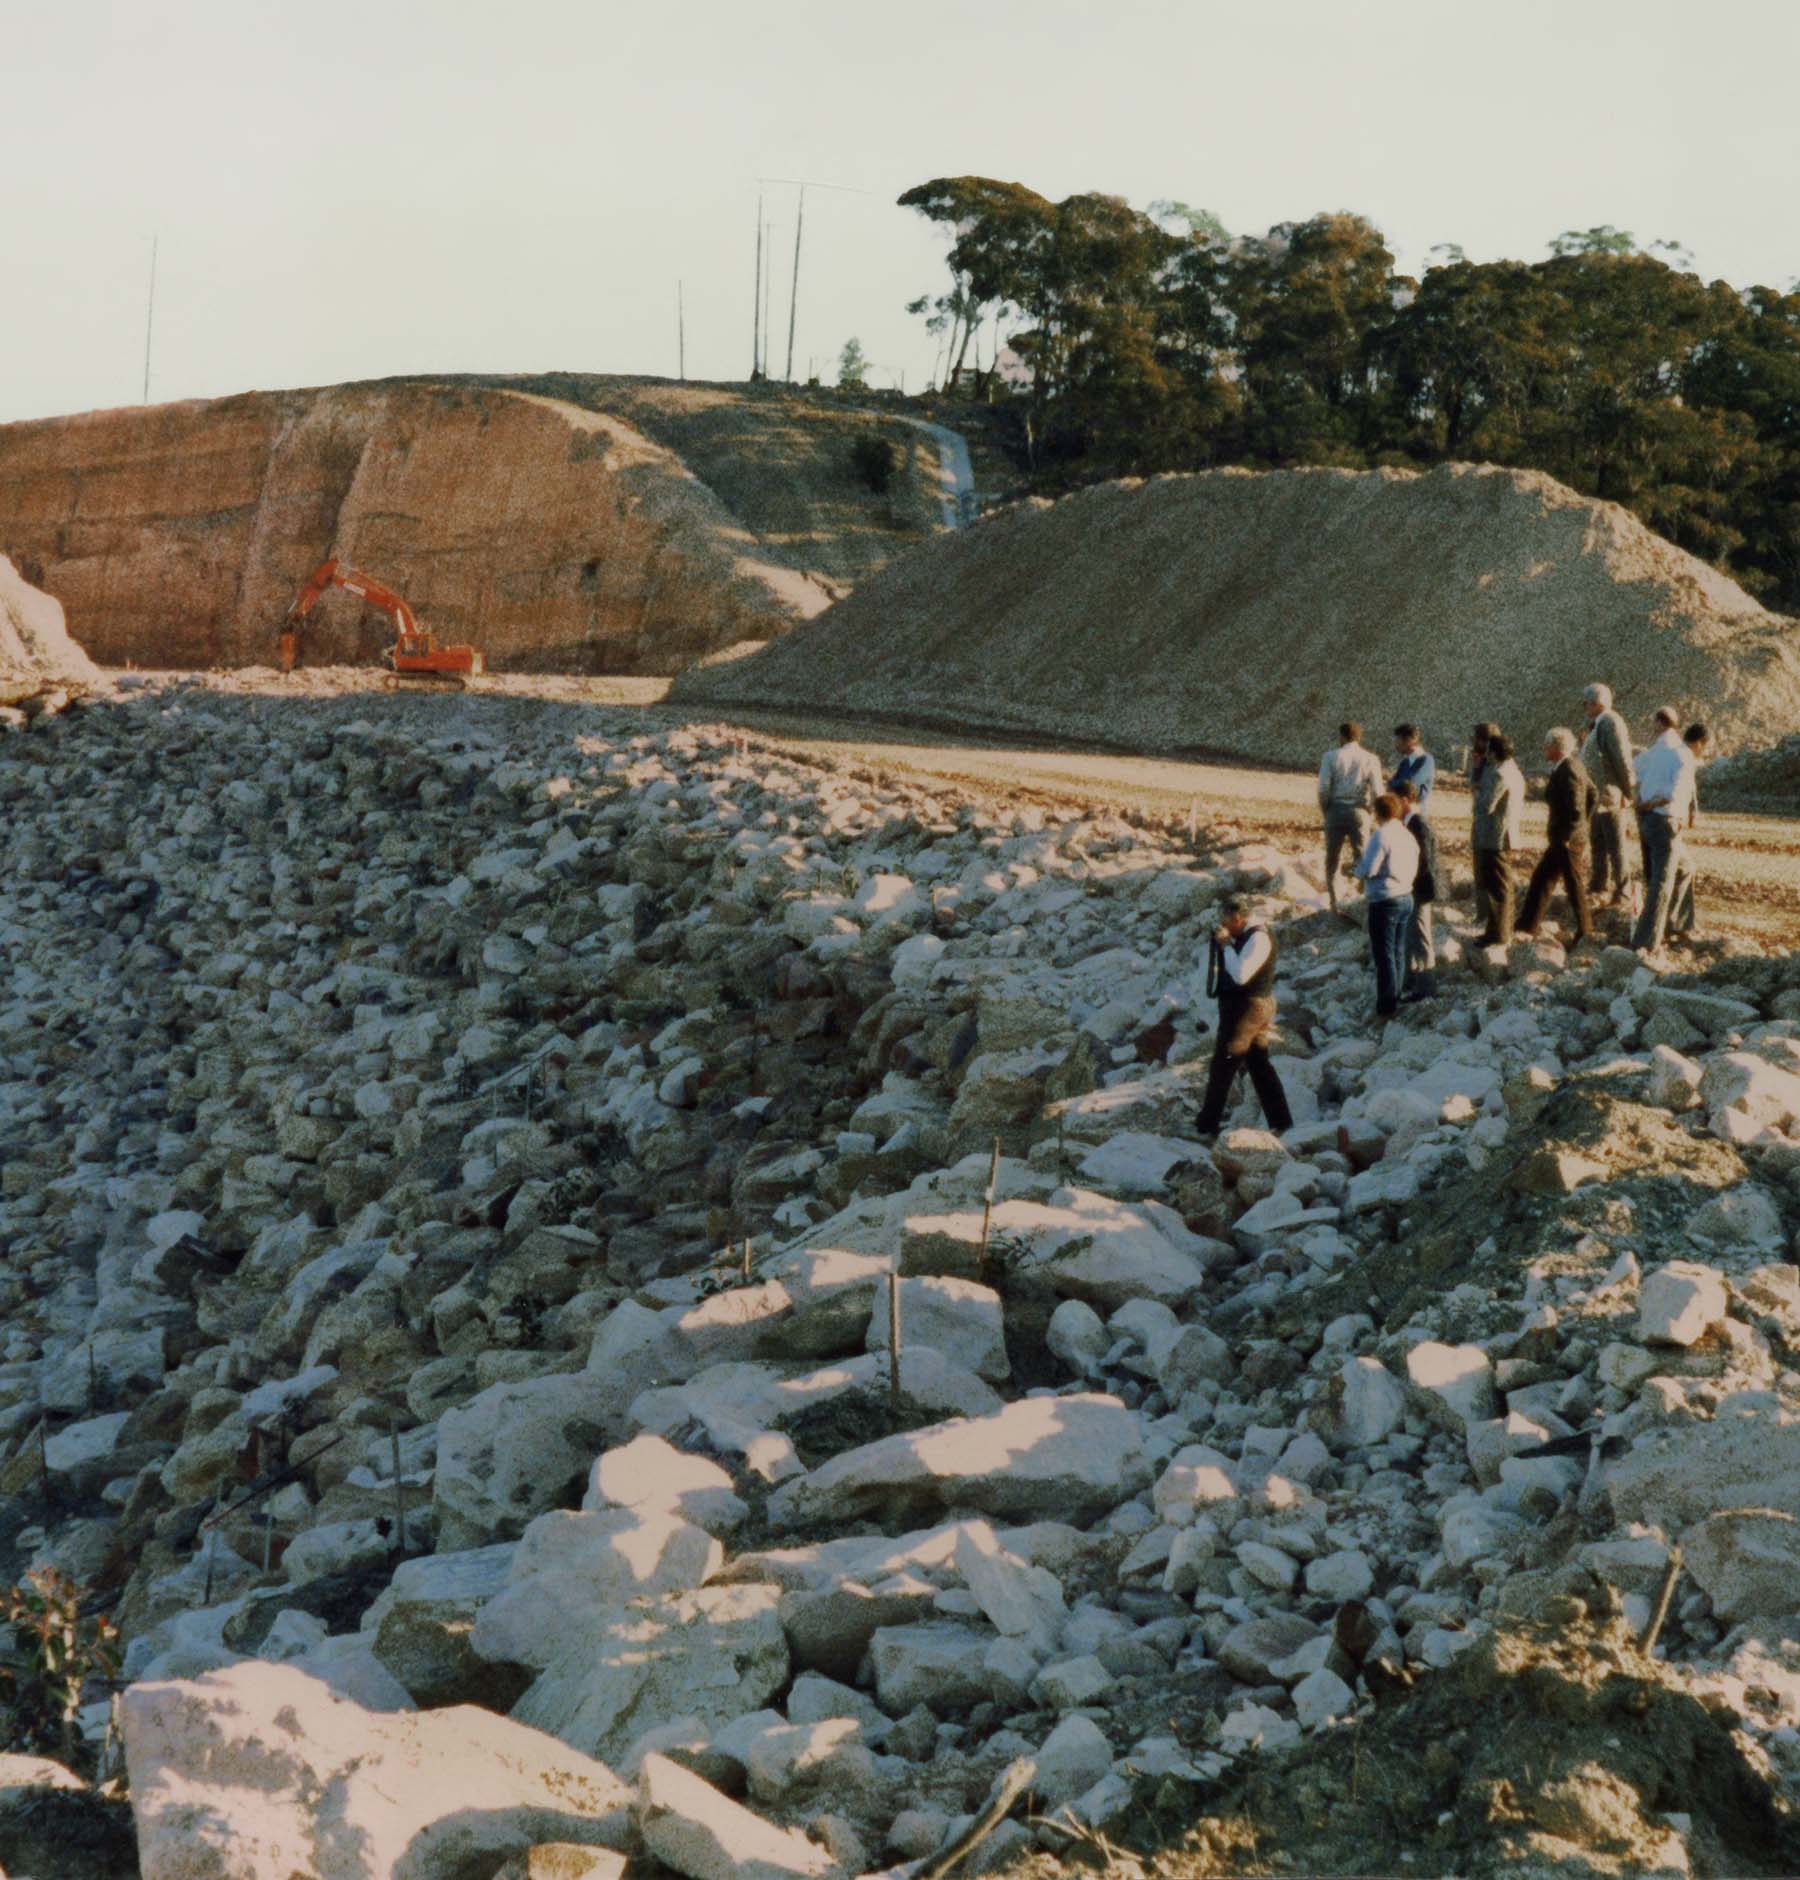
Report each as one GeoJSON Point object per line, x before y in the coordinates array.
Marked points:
{"type": "Point", "coordinates": [350, 188]}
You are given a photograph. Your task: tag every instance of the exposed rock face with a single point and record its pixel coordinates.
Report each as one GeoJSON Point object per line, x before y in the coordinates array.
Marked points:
{"type": "Point", "coordinates": [556, 539]}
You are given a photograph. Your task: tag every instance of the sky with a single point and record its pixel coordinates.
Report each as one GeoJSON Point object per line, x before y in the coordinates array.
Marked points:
{"type": "Point", "coordinates": [344, 189]}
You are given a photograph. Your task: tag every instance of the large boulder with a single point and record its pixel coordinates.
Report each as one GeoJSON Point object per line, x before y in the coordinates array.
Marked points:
{"type": "Point", "coordinates": [511, 1453]}
{"type": "Point", "coordinates": [572, 1565]}
{"type": "Point", "coordinates": [710, 1655]}
{"type": "Point", "coordinates": [259, 1772]}
{"type": "Point", "coordinates": [1086, 1246]}
{"type": "Point", "coordinates": [1067, 1458]}
{"type": "Point", "coordinates": [955, 1316]}
{"type": "Point", "coordinates": [693, 1829]}
{"type": "Point", "coordinates": [1677, 1475]}
{"type": "Point", "coordinates": [1739, 1080]}
{"type": "Point", "coordinates": [1748, 1561]}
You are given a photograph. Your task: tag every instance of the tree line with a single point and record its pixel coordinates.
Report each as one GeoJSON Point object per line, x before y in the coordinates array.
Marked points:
{"type": "Point", "coordinates": [1151, 340]}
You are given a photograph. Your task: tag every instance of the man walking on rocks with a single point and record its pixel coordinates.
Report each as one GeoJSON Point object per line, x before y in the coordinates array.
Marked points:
{"type": "Point", "coordinates": [1665, 787]}
{"type": "Point", "coordinates": [1421, 947]}
{"type": "Point", "coordinates": [1240, 973]}
{"type": "Point", "coordinates": [1494, 833]}
{"type": "Point", "coordinates": [1389, 868]}
{"type": "Point", "coordinates": [1606, 756]}
{"type": "Point", "coordinates": [1571, 799]}
{"type": "Point", "coordinates": [1349, 782]}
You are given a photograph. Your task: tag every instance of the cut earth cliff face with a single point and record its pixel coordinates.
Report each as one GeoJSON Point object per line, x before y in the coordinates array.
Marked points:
{"type": "Point", "coordinates": [554, 538]}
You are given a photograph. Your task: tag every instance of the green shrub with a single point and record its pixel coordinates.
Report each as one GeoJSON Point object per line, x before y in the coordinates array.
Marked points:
{"type": "Point", "coordinates": [53, 1654]}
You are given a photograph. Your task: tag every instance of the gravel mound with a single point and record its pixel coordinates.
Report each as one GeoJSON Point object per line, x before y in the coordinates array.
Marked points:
{"type": "Point", "coordinates": [1247, 613]}
{"type": "Point", "coordinates": [37, 651]}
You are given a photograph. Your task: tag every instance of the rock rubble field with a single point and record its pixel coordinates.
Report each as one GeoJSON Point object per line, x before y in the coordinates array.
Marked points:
{"type": "Point", "coordinates": [462, 1163]}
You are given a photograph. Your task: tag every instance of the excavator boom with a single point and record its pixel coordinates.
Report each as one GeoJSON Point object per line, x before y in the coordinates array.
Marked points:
{"type": "Point", "coordinates": [414, 651]}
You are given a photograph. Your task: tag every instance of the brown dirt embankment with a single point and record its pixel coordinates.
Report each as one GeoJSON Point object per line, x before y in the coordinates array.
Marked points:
{"type": "Point", "coordinates": [556, 538]}
{"type": "Point", "coordinates": [1246, 614]}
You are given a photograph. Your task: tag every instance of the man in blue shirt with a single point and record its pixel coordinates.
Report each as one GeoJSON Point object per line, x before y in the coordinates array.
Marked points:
{"type": "Point", "coordinates": [1413, 764]}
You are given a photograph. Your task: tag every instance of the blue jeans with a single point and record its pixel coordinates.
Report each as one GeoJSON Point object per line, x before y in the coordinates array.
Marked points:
{"type": "Point", "coordinates": [1664, 858]}
{"type": "Point", "coordinates": [1390, 922]}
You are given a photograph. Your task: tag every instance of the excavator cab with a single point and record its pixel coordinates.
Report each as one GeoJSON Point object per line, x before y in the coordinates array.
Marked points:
{"type": "Point", "coordinates": [414, 654]}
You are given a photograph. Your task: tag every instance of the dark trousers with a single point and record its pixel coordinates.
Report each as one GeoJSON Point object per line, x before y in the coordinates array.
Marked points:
{"type": "Point", "coordinates": [1563, 865]}
{"type": "Point", "coordinates": [1665, 856]}
{"type": "Point", "coordinates": [1607, 828]}
{"type": "Point", "coordinates": [1390, 924]}
{"type": "Point", "coordinates": [1244, 1045]}
{"type": "Point", "coordinates": [1493, 870]}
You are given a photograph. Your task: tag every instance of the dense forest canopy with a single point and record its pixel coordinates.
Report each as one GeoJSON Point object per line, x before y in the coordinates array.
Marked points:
{"type": "Point", "coordinates": [1154, 340]}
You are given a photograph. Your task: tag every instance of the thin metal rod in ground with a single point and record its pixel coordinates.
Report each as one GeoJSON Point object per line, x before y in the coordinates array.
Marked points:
{"type": "Point", "coordinates": [1660, 1611]}
{"type": "Point", "coordinates": [1018, 1777]}
{"type": "Point", "coordinates": [399, 1489]}
{"type": "Point", "coordinates": [894, 1342]}
{"type": "Point", "coordinates": [987, 1209]}
{"type": "Point", "coordinates": [212, 1549]}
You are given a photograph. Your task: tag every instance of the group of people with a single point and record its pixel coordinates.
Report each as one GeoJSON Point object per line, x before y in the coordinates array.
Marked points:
{"type": "Point", "coordinates": [1378, 817]}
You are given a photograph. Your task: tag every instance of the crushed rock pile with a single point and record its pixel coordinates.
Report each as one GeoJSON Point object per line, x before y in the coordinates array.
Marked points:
{"type": "Point", "coordinates": [1769, 776]}
{"type": "Point", "coordinates": [1248, 613]}
{"type": "Point", "coordinates": [455, 1160]}
{"type": "Point", "coordinates": [41, 662]}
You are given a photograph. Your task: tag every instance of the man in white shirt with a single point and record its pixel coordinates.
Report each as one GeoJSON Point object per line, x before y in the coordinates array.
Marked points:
{"type": "Point", "coordinates": [1665, 789]}
{"type": "Point", "coordinates": [1350, 780]}
{"type": "Point", "coordinates": [1389, 867]}
{"type": "Point", "coordinates": [1241, 974]}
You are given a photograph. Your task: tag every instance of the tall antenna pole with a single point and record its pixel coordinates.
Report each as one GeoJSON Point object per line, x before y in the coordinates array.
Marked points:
{"type": "Point", "coordinates": [794, 291]}
{"type": "Point", "coordinates": [803, 184]}
{"type": "Point", "coordinates": [768, 295]}
{"type": "Point", "coordinates": [150, 318]}
{"type": "Point", "coordinates": [756, 301]}
{"type": "Point", "coordinates": [681, 328]}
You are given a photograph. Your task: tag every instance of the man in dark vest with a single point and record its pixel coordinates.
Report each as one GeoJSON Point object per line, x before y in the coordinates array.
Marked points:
{"type": "Point", "coordinates": [1241, 974]}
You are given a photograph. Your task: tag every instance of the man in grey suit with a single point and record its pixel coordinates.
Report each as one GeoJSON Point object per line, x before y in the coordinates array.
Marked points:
{"type": "Point", "coordinates": [1607, 757]}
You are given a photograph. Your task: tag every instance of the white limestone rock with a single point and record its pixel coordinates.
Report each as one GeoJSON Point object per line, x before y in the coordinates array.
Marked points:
{"type": "Point", "coordinates": [651, 1476]}
{"type": "Point", "coordinates": [1679, 1303]}
{"type": "Point", "coordinates": [710, 1655]}
{"type": "Point", "coordinates": [261, 1772]}
{"type": "Point", "coordinates": [1459, 1376]}
{"type": "Point", "coordinates": [1373, 1402]}
{"type": "Point", "coordinates": [510, 1453]}
{"type": "Point", "coordinates": [1062, 1457]}
{"type": "Point", "coordinates": [961, 1319]}
{"type": "Point", "coordinates": [690, 1827]}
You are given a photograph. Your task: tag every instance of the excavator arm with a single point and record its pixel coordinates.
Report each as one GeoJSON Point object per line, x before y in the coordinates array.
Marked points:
{"type": "Point", "coordinates": [414, 650]}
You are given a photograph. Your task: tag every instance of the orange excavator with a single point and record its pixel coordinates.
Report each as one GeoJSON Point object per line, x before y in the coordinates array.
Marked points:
{"type": "Point", "coordinates": [415, 653]}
